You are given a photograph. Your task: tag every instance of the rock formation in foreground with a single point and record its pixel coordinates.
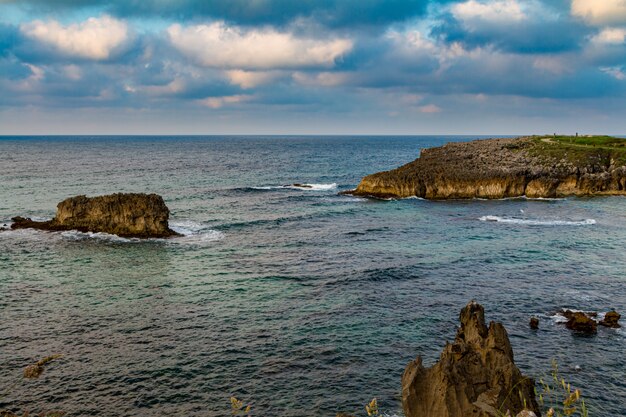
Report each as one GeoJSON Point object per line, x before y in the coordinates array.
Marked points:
{"type": "Point", "coordinates": [499, 168]}
{"type": "Point", "coordinates": [127, 215]}
{"type": "Point", "coordinates": [475, 375]}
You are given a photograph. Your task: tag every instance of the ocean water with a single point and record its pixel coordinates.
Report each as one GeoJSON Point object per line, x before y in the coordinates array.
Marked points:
{"type": "Point", "coordinates": [299, 301]}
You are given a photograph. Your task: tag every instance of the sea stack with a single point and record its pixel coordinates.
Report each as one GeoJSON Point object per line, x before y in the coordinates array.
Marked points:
{"type": "Point", "coordinates": [475, 375]}
{"type": "Point", "coordinates": [127, 215]}
{"type": "Point", "coordinates": [535, 167]}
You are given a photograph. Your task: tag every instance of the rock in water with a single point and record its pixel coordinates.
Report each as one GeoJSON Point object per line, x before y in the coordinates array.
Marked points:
{"type": "Point", "coordinates": [475, 375]}
{"type": "Point", "coordinates": [534, 323]}
{"type": "Point", "coordinates": [581, 322]}
{"type": "Point", "coordinates": [127, 215]}
{"type": "Point", "coordinates": [611, 320]}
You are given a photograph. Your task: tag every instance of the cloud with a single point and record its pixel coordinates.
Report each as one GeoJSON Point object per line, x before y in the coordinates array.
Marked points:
{"type": "Point", "coordinates": [251, 79]}
{"type": "Point", "coordinates": [429, 108]}
{"type": "Point", "coordinates": [510, 25]}
{"type": "Point", "coordinates": [610, 36]}
{"type": "Point", "coordinates": [495, 11]}
{"type": "Point", "coordinates": [600, 12]}
{"type": "Point", "coordinates": [322, 79]}
{"type": "Point", "coordinates": [218, 102]}
{"type": "Point", "coordinates": [96, 38]}
{"type": "Point", "coordinates": [332, 13]}
{"type": "Point", "coordinates": [223, 46]}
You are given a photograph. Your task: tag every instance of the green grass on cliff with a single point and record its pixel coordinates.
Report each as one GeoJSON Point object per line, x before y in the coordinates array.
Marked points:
{"type": "Point", "coordinates": [581, 150]}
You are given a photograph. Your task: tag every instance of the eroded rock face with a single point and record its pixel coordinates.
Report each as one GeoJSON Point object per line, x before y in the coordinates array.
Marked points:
{"type": "Point", "coordinates": [475, 375]}
{"type": "Point", "coordinates": [496, 168]}
{"type": "Point", "coordinates": [128, 215]}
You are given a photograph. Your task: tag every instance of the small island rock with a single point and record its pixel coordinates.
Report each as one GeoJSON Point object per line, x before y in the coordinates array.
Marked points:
{"type": "Point", "coordinates": [611, 320]}
{"type": "Point", "coordinates": [580, 322]}
{"type": "Point", "coordinates": [127, 215]}
{"type": "Point", "coordinates": [475, 375]}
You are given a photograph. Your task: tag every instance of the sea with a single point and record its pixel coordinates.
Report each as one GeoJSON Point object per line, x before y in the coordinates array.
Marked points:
{"type": "Point", "coordinates": [296, 300]}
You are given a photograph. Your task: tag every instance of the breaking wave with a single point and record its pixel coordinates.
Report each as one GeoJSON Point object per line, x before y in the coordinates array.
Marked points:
{"type": "Point", "coordinates": [536, 222]}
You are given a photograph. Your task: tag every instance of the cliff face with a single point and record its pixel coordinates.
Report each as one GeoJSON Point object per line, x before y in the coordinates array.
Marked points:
{"type": "Point", "coordinates": [128, 215]}
{"type": "Point", "coordinates": [500, 168]}
{"type": "Point", "coordinates": [475, 375]}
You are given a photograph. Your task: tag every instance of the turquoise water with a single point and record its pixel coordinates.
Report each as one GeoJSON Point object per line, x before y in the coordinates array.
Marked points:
{"type": "Point", "coordinates": [300, 301]}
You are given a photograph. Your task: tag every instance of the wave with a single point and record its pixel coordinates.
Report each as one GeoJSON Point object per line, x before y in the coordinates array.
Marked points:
{"type": "Point", "coordinates": [193, 233]}
{"type": "Point", "coordinates": [298, 186]}
{"type": "Point", "coordinates": [536, 222]}
{"type": "Point", "coordinates": [75, 235]}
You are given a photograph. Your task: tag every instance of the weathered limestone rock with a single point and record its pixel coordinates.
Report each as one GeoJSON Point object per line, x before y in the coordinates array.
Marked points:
{"type": "Point", "coordinates": [128, 215]}
{"type": "Point", "coordinates": [499, 168]}
{"type": "Point", "coordinates": [611, 320]}
{"type": "Point", "coordinates": [475, 375]}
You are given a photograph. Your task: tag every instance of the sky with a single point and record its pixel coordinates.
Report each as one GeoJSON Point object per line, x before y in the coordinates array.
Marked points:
{"type": "Point", "coordinates": [483, 67]}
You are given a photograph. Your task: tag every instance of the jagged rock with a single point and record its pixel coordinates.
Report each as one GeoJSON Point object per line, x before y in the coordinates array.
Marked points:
{"type": "Point", "coordinates": [580, 322]}
{"type": "Point", "coordinates": [500, 168]}
{"type": "Point", "coordinates": [611, 319]}
{"type": "Point", "coordinates": [475, 375]}
{"type": "Point", "coordinates": [534, 323]}
{"type": "Point", "coordinates": [128, 215]}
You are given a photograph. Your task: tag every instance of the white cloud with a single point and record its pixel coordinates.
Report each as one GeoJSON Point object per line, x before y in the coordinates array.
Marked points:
{"type": "Point", "coordinates": [552, 64]}
{"type": "Point", "coordinates": [220, 45]}
{"type": "Point", "coordinates": [615, 72]}
{"type": "Point", "coordinates": [95, 38]}
{"type": "Point", "coordinates": [600, 12]}
{"type": "Point", "coordinates": [429, 108]}
{"type": "Point", "coordinates": [495, 11]}
{"type": "Point", "coordinates": [323, 79]}
{"type": "Point", "coordinates": [217, 102]}
{"type": "Point", "coordinates": [250, 79]}
{"type": "Point", "coordinates": [610, 36]}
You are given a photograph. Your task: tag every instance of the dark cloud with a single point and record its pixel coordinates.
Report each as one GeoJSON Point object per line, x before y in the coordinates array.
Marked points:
{"type": "Point", "coordinates": [531, 36]}
{"type": "Point", "coordinates": [8, 38]}
{"type": "Point", "coordinates": [335, 13]}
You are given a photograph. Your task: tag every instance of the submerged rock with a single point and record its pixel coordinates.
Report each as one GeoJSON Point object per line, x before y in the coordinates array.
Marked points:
{"type": "Point", "coordinates": [500, 168]}
{"type": "Point", "coordinates": [475, 375]}
{"type": "Point", "coordinates": [611, 320]}
{"type": "Point", "coordinates": [127, 215]}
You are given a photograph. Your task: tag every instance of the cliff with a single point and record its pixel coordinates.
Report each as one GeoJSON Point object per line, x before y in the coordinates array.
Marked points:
{"type": "Point", "coordinates": [475, 375]}
{"type": "Point", "coordinates": [128, 215]}
{"type": "Point", "coordinates": [535, 167]}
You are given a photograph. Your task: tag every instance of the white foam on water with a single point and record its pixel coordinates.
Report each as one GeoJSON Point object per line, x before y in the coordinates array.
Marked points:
{"type": "Point", "coordinates": [198, 238]}
{"type": "Point", "coordinates": [536, 222]}
{"type": "Point", "coordinates": [193, 233]}
{"type": "Point", "coordinates": [303, 187]}
{"type": "Point", "coordinates": [186, 227]}
{"type": "Point", "coordinates": [75, 235]}
{"type": "Point", "coordinates": [40, 219]}
{"type": "Point", "coordinates": [315, 187]}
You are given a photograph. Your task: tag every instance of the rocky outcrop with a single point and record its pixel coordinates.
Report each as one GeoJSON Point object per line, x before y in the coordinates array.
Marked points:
{"type": "Point", "coordinates": [475, 375]}
{"type": "Point", "coordinates": [127, 215]}
{"type": "Point", "coordinates": [611, 320]}
{"type": "Point", "coordinates": [580, 322]}
{"type": "Point", "coordinates": [501, 168]}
